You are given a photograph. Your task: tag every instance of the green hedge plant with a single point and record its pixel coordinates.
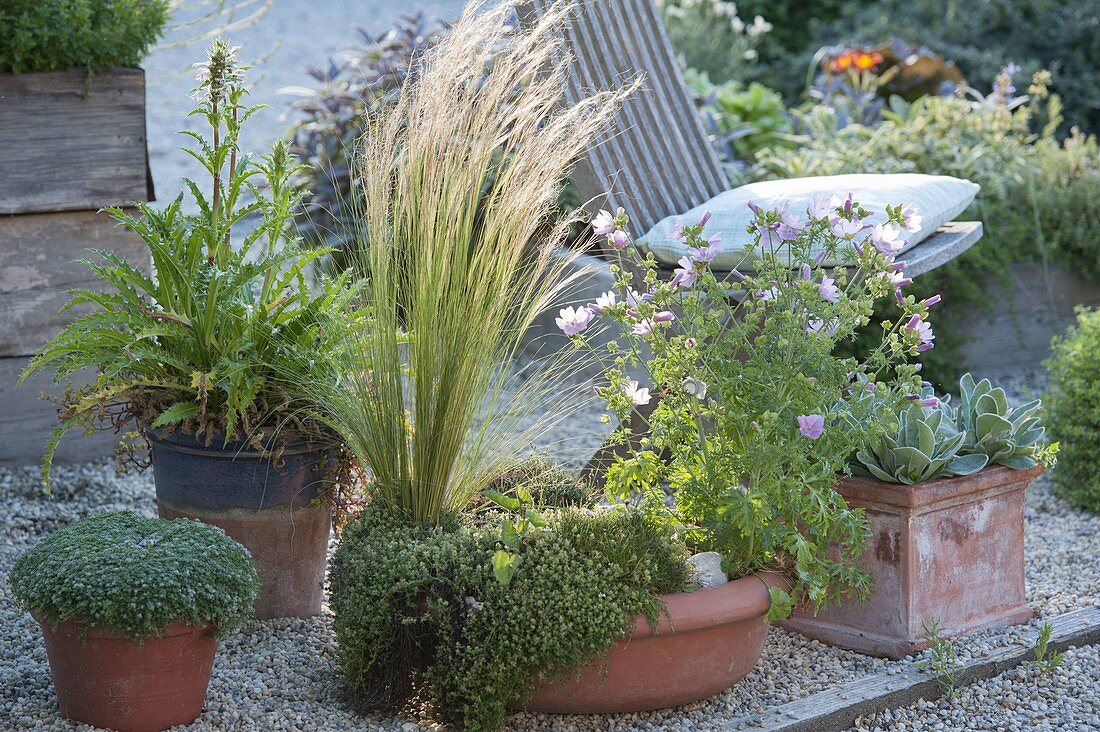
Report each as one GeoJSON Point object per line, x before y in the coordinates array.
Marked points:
{"type": "Point", "coordinates": [55, 35]}
{"type": "Point", "coordinates": [1072, 400]}
{"type": "Point", "coordinates": [135, 576]}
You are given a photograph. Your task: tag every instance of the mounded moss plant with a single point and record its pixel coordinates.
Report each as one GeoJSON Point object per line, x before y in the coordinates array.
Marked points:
{"type": "Point", "coordinates": [55, 35]}
{"type": "Point", "coordinates": [418, 610]}
{"type": "Point", "coordinates": [1072, 402]}
{"type": "Point", "coordinates": [135, 575]}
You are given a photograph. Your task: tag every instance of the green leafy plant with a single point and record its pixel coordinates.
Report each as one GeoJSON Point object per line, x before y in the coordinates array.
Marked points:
{"type": "Point", "coordinates": [741, 121]}
{"type": "Point", "coordinates": [208, 343]}
{"type": "Point", "coordinates": [942, 661]}
{"type": "Point", "coordinates": [757, 413]}
{"type": "Point", "coordinates": [1073, 410]}
{"type": "Point", "coordinates": [981, 37]}
{"type": "Point", "coordinates": [136, 576]}
{"type": "Point", "coordinates": [457, 274]}
{"type": "Point", "coordinates": [925, 446]}
{"type": "Point", "coordinates": [1009, 436]}
{"type": "Point", "coordinates": [53, 35]}
{"type": "Point", "coordinates": [1044, 658]}
{"type": "Point", "coordinates": [419, 611]}
{"type": "Point", "coordinates": [711, 37]}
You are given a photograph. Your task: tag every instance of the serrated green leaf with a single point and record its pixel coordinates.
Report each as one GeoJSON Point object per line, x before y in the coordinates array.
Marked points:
{"type": "Point", "coordinates": [781, 603]}
{"type": "Point", "coordinates": [176, 413]}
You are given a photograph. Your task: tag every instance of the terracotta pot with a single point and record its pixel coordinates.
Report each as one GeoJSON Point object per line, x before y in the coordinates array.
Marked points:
{"type": "Point", "coordinates": [949, 550]}
{"type": "Point", "coordinates": [279, 512]}
{"type": "Point", "coordinates": [107, 680]}
{"type": "Point", "coordinates": [708, 640]}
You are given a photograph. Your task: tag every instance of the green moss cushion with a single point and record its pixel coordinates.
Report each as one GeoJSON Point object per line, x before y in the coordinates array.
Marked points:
{"type": "Point", "coordinates": [135, 575]}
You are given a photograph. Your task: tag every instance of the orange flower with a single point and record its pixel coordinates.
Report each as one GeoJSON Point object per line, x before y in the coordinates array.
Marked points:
{"type": "Point", "coordinates": [855, 59]}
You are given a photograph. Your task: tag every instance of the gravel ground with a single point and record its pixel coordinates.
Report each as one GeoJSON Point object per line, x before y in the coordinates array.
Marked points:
{"type": "Point", "coordinates": [281, 675]}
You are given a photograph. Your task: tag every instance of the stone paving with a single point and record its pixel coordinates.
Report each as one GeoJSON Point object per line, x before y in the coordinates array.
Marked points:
{"type": "Point", "coordinates": [292, 36]}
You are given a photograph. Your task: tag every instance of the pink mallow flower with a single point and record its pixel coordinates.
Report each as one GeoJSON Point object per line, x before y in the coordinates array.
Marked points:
{"type": "Point", "coordinates": [604, 223]}
{"type": "Point", "coordinates": [886, 239]}
{"type": "Point", "coordinates": [637, 395]}
{"type": "Point", "coordinates": [820, 208]}
{"type": "Point", "coordinates": [644, 326]}
{"type": "Point", "coordinates": [573, 320]}
{"type": "Point", "coordinates": [710, 251]}
{"type": "Point", "coordinates": [676, 233]}
{"type": "Point", "coordinates": [924, 332]}
{"type": "Point", "coordinates": [828, 290]}
{"type": "Point", "coordinates": [843, 228]}
{"type": "Point", "coordinates": [911, 220]}
{"type": "Point", "coordinates": [811, 425]}
{"type": "Point", "coordinates": [618, 239]}
{"type": "Point", "coordinates": [603, 302]}
{"type": "Point", "coordinates": [685, 275]}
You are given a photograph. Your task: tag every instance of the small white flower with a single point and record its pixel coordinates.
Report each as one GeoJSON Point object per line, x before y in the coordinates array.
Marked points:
{"type": "Point", "coordinates": [637, 395]}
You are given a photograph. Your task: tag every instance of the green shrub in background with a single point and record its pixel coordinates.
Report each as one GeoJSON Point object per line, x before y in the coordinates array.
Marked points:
{"type": "Point", "coordinates": [710, 36]}
{"type": "Point", "coordinates": [981, 36]}
{"type": "Point", "coordinates": [418, 610]}
{"type": "Point", "coordinates": [1072, 401]}
{"type": "Point", "coordinates": [136, 575]}
{"type": "Point", "coordinates": [54, 35]}
{"type": "Point", "coordinates": [1040, 197]}
{"type": "Point", "coordinates": [740, 121]}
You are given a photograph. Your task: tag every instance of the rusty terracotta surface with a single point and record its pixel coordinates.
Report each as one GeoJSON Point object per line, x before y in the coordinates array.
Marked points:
{"type": "Point", "coordinates": [288, 545]}
{"type": "Point", "coordinates": [106, 680]}
{"type": "Point", "coordinates": [949, 550]}
{"type": "Point", "coordinates": [708, 640]}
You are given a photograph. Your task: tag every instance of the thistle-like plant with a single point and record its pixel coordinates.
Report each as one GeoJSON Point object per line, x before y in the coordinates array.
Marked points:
{"type": "Point", "coordinates": [924, 446]}
{"type": "Point", "coordinates": [206, 342]}
{"type": "Point", "coordinates": [1012, 437]}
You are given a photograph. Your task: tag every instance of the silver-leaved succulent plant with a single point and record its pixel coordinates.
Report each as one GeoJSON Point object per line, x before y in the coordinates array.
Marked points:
{"type": "Point", "coordinates": [925, 446]}
{"type": "Point", "coordinates": [1012, 437]}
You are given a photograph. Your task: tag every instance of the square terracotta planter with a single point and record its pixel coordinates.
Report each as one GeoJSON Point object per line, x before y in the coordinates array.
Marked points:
{"type": "Point", "coordinates": [949, 550]}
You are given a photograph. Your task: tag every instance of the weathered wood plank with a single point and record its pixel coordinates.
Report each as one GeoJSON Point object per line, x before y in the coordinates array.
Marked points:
{"type": "Point", "coordinates": [838, 708]}
{"type": "Point", "coordinates": [1037, 304]}
{"type": "Point", "coordinates": [74, 142]}
{"type": "Point", "coordinates": [26, 423]}
{"type": "Point", "coordinates": [37, 268]}
{"type": "Point", "coordinates": [949, 241]}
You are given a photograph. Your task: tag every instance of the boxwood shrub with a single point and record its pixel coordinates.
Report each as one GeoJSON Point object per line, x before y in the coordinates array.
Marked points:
{"type": "Point", "coordinates": [418, 611]}
{"type": "Point", "coordinates": [52, 35]}
{"type": "Point", "coordinates": [135, 575]}
{"type": "Point", "coordinates": [1073, 410]}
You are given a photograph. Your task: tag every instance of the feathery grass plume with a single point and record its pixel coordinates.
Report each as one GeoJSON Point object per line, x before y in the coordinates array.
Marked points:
{"type": "Point", "coordinates": [458, 184]}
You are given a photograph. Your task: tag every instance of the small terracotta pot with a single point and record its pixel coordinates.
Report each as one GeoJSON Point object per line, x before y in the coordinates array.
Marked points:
{"type": "Point", "coordinates": [107, 680]}
{"type": "Point", "coordinates": [705, 643]}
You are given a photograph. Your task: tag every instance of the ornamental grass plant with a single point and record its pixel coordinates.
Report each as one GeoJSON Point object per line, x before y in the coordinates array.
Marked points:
{"type": "Point", "coordinates": [458, 180]}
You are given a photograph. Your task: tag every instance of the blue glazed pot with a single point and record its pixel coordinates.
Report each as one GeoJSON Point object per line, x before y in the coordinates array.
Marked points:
{"type": "Point", "coordinates": [279, 510]}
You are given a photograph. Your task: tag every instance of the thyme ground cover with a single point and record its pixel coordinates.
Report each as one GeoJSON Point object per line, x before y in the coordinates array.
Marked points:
{"type": "Point", "coordinates": [135, 575]}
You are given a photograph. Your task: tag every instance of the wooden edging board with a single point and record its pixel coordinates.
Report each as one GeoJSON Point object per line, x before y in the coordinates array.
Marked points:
{"type": "Point", "coordinates": [838, 708]}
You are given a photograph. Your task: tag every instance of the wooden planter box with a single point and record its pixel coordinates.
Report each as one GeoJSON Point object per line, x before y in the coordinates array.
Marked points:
{"type": "Point", "coordinates": [78, 144]}
{"type": "Point", "coordinates": [1015, 335]}
{"type": "Point", "coordinates": [949, 551]}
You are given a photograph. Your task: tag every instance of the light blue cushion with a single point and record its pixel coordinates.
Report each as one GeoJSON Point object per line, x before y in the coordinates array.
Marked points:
{"type": "Point", "coordinates": [938, 198]}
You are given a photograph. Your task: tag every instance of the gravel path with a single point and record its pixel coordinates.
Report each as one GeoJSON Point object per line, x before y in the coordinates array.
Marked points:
{"type": "Point", "coordinates": [281, 675]}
